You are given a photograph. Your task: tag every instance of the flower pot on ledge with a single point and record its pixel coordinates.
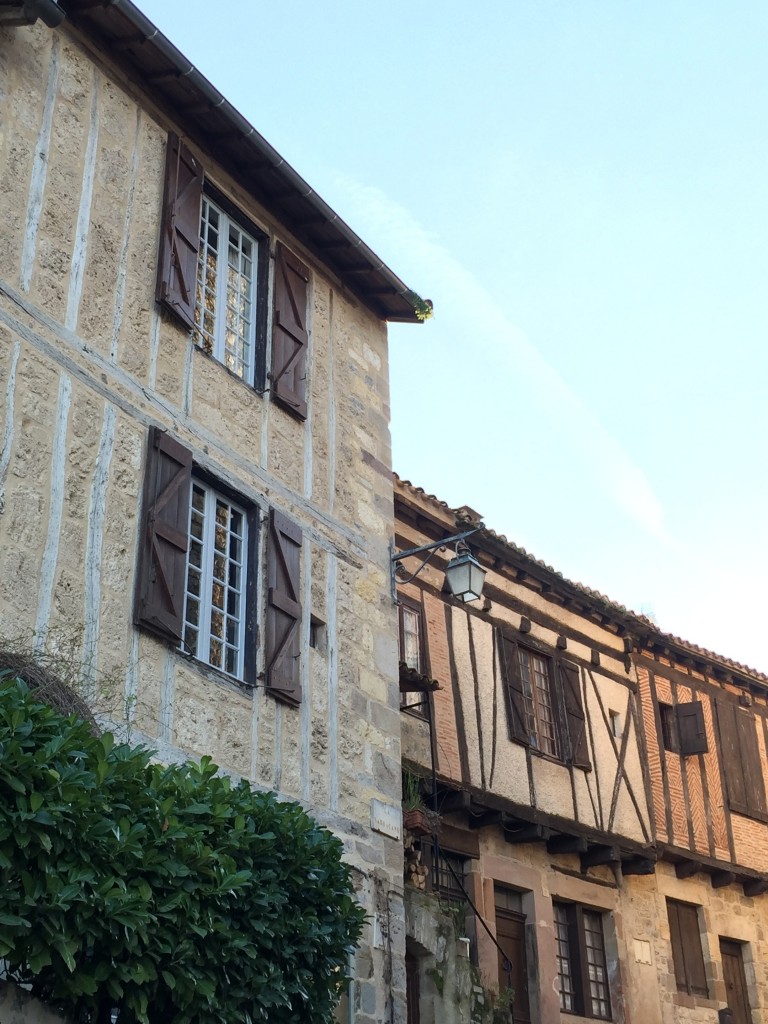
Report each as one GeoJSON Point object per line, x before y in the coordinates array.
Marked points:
{"type": "Point", "coordinates": [416, 821]}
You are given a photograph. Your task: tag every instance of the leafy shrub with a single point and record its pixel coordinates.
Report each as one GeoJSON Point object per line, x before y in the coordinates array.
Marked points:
{"type": "Point", "coordinates": [167, 893]}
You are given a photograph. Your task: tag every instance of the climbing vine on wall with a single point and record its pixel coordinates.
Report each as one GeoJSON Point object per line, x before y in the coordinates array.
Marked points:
{"type": "Point", "coordinates": [164, 893]}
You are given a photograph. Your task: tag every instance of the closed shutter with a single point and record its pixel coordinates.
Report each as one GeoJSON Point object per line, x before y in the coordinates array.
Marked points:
{"type": "Point", "coordinates": [731, 757]}
{"type": "Point", "coordinates": [289, 333]}
{"type": "Point", "coordinates": [164, 537]}
{"type": "Point", "coordinates": [513, 686]}
{"type": "Point", "coordinates": [690, 728]}
{"type": "Point", "coordinates": [746, 726]}
{"type": "Point", "coordinates": [283, 639]}
{"type": "Point", "coordinates": [570, 682]}
{"type": "Point", "coordinates": [180, 236]}
{"type": "Point", "coordinates": [687, 955]}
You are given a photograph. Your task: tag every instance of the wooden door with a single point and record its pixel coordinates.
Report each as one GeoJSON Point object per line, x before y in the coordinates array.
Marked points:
{"type": "Point", "coordinates": [412, 992]}
{"type": "Point", "coordinates": [735, 981]}
{"type": "Point", "coordinates": [510, 935]}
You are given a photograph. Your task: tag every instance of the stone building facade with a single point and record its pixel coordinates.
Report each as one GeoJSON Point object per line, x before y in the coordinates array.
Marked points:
{"type": "Point", "coordinates": [195, 488]}
{"type": "Point", "coordinates": [599, 789]}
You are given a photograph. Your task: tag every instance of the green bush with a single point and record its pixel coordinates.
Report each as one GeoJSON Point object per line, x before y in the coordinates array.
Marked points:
{"type": "Point", "coordinates": [169, 894]}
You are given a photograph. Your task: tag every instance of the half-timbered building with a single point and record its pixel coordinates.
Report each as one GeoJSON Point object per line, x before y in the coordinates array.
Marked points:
{"type": "Point", "coordinates": [596, 789]}
{"type": "Point", "coordinates": [195, 484]}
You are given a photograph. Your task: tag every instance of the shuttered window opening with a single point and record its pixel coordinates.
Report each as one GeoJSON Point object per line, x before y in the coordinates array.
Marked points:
{"type": "Point", "coordinates": [411, 644]}
{"type": "Point", "coordinates": [450, 875]}
{"type": "Point", "coordinates": [682, 728]}
{"type": "Point", "coordinates": [214, 607]}
{"type": "Point", "coordinates": [540, 719]}
{"type": "Point", "coordinates": [741, 760]}
{"type": "Point", "coordinates": [544, 702]}
{"type": "Point", "coordinates": [582, 967]}
{"type": "Point", "coordinates": [687, 954]}
{"type": "Point", "coordinates": [196, 573]}
{"type": "Point", "coordinates": [225, 320]}
{"type": "Point", "coordinates": [213, 267]}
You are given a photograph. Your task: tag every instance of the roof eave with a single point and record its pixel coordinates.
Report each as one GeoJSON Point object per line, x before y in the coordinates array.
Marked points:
{"type": "Point", "coordinates": [128, 37]}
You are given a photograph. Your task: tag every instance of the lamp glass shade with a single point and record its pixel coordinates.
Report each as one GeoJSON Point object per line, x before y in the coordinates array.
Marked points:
{"type": "Point", "coordinates": [465, 577]}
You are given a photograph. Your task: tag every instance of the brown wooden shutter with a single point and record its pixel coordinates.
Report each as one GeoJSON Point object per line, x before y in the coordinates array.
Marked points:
{"type": "Point", "coordinates": [164, 536]}
{"type": "Point", "coordinates": [687, 955]}
{"type": "Point", "coordinates": [180, 236]}
{"type": "Point", "coordinates": [283, 627]}
{"type": "Point", "coordinates": [513, 685]}
{"type": "Point", "coordinates": [573, 709]}
{"type": "Point", "coordinates": [731, 756]}
{"type": "Point", "coordinates": [690, 728]}
{"type": "Point", "coordinates": [746, 725]}
{"type": "Point", "coordinates": [289, 333]}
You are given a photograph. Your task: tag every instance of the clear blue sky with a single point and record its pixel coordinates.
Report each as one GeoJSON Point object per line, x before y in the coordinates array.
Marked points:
{"type": "Point", "coordinates": [581, 186]}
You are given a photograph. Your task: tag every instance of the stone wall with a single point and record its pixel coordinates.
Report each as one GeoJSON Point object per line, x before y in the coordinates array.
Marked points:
{"type": "Point", "coordinates": [88, 363]}
{"type": "Point", "coordinates": [17, 1006]}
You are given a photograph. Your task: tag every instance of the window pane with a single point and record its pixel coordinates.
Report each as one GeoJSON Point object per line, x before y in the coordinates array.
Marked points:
{"type": "Point", "coordinates": [213, 610]}
{"type": "Point", "coordinates": [563, 954]}
{"type": "Point", "coordinates": [596, 966]}
{"type": "Point", "coordinates": [207, 278]}
{"type": "Point", "coordinates": [411, 622]}
{"type": "Point", "coordinates": [225, 296]}
{"type": "Point", "coordinates": [537, 699]}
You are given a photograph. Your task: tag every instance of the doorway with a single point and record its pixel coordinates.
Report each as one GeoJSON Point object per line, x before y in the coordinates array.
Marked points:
{"type": "Point", "coordinates": [732, 958]}
{"type": "Point", "coordinates": [510, 935]}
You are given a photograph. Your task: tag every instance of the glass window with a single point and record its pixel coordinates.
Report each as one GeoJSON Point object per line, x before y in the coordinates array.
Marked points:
{"type": "Point", "coordinates": [582, 969]}
{"type": "Point", "coordinates": [214, 606]}
{"type": "Point", "coordinates": [537, 697]}
{"type": "Point", "coordinates": [226, 291]}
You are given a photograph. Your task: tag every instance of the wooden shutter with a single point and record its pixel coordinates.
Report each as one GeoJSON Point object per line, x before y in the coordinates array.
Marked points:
{"type": "Point", "coordinates": [289, 333]}
{"type": "Point", "coordinates": [687, 954]}
{"type": "Point", "coordinates": [576, 725]}
{"type": "Point", "coordinates": [180, 236]}
{"type": "Point", "coordinates": [513, 686]}
{"type": "Point", "coordinates": [283, 627]}
{"type": "Point", "coordinates": [752, 771]}
{"type": "Point", "coordinates": [164, 536]}
{"type": "Point", "coordinates": [732, 726]}
{"type": "Point", "coordinates": [690, 728]}
{"type": "Point", "coordinates": [731, 756]}
{"type": "Point", "coordinates": [510, 935]}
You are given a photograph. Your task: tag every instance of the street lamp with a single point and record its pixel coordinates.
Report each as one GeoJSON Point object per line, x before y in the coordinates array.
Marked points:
{"type": "Point", "coordinates": [463, 574]}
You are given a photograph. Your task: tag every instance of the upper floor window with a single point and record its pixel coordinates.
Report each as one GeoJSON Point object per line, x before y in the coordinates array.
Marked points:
{"type": "Point", "coordinates": [227, 265]}
{"type": "Point", "coordinates": [535, 672]}
{"type": "Point", "coordinates": [410, 635]}
{"type": "Point", "coordinates": [581, 962]}
{"type": "Point", "coordinates": [411, 647]}
{"type": "Point", "coordinates": [450, 875]}
{"type": "Point", "coordinates": [545, 707]}
{"type": "Point", "coordinates": [197, 576]}
{"type": "Point", "coordinates": [742, 761]}
{"type": "Point", "coordinates": [213, 276]}
{"type": "Point", "coordinates": [214, 609]}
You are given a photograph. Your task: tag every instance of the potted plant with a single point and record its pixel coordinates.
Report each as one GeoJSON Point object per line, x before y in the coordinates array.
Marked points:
{"type": "Point", "coordinates": [415, 818]}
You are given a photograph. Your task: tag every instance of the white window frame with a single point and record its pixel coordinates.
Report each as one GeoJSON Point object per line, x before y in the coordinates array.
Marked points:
{"type": "Point", "coordinates": [243, 368]}
{"type": "Point", "coordinates": [202, 647]}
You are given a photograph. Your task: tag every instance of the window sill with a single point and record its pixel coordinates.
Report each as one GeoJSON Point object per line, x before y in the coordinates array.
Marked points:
{"type": "Point", "coordinates": [214, 675]}
{"type": "Point", "coordinates": [252, 388]}
{"type": "Point", "coordinates": [692, 1002]}
{"type": "Point", "coordinates": [412, 713]}
{"type": "Point", "coordinates": [563, 764]}
{"type": "Point", "coordinates": [751, 815]}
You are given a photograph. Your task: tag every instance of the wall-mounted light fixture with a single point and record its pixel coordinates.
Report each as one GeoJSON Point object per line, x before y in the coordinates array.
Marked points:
{"type": "Point", "coordinates": [463, 574]}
